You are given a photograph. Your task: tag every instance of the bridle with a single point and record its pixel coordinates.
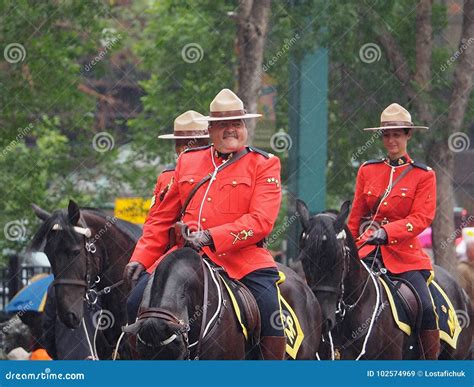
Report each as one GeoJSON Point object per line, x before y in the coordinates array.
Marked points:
{"type": "Point", "coordinates": [92, 295]}
{"type": "Point", "coordinates": [183, 328]}
{"type": "Point", "coordinates": [339, 290]}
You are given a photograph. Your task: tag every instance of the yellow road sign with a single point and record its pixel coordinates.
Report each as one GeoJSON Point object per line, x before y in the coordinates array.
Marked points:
{"type": "Point", "coordinates": [133, 210]}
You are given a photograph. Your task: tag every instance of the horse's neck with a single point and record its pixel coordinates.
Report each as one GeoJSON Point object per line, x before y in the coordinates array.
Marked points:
{"type": "Point", "coordinates": [355, 280]}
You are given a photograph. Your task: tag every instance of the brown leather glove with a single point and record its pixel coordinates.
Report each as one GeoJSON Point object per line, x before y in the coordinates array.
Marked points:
{"type": "Point", "coordinates": [132, 272]}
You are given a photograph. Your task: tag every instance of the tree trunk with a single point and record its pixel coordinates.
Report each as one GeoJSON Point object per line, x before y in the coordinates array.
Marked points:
{"type": "Point", "coordinates": [252, 19]}
{"type": "Point", "coordinates": [443, 226]}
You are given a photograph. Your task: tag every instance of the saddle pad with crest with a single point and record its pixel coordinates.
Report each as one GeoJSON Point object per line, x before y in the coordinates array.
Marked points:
{"type": "Point", "coordinates": [293, 332]}
{"type": "Point", "coordinates": [448, 322]}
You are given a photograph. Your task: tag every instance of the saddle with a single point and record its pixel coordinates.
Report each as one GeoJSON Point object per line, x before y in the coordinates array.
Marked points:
{"type": "Point", "coordinates": [244, 304]}
{"type": "Point", "coordinates": [403, 298]}
{"type": "Point", "coordinates": [405, 305]}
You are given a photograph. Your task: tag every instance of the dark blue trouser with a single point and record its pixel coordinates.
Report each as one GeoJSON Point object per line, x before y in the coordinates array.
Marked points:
{"type": "Point", "coordinates": [262, 284]}
{"type": "Point", "coordinates": [135, 298]}
{"type": "Point", "coordinates": [419, 280]}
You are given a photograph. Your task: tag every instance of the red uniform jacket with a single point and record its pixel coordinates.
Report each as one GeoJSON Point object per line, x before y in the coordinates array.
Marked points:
{"type": "Point", "coordinates": [239, 210]}
{"type": "Point", "coordinates": [406, 212]}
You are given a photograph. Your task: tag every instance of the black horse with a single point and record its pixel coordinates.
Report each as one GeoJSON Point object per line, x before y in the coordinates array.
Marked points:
{"type": "Point", "coordinates": [354, 306]}
{"type": "Point", "coordinates": [187, 313]}
{"type": "Point", "coordinates": [88, 251]}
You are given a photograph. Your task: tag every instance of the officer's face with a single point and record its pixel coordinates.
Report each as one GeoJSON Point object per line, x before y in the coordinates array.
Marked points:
{"type": "Point", "coordinates": [228, 136]}
{"type": "Point", "coordinates": [395, 142]}
{"type": "Point", "coordinates": [183, 144]}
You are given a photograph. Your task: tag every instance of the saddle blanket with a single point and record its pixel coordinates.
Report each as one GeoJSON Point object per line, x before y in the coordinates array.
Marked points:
{"type": "Point", "coordinates": [293, 332]}
{"type": "Point", "coordinates": [448, 323]}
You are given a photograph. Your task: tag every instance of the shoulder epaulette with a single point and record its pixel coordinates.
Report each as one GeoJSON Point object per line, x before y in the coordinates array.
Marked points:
{"type": "Point", "coordinates": [260, 151]}
{"type": "Point", "coordinates": [374, 161]}
{"type": "Point", "coordinates": [197, 148]}
{"type": "Point", "coordinates": [421, 166]}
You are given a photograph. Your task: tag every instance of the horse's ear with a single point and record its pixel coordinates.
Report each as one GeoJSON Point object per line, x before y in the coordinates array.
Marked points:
{"type": "Point", "coordinates": [73, 212]}
{"type": "Point", "coordinates": [342, 216]}
{"type": "Point", "coordinates": [303, 212]}
{"type": "Point", "coordinates": [39, 212]}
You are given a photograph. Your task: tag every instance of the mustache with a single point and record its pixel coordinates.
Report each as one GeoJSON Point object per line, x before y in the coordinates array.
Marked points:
{"type": "Point", "coordinates": [230, 133]}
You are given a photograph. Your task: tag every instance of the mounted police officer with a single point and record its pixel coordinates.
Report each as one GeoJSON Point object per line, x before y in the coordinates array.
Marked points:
{"type": "Point", "coordinates": [230, 214]}
{"type": "Point", "coordinates": [188, 133]}
{"type": "Point", "coordinates": [395, 200]}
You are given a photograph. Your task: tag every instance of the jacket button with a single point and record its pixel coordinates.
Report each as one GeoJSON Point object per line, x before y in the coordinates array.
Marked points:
{"type": "Point", "coordinates": [384, 203]}
{"type": "Point", "coordinates": [370, 192]}
{"type": "Point", "coordinates": [191, 180]}
{"type": "Point", "coordinates": [411, 246]}
{"type": "Point", "coordinates": [204, 219]}
{"type": "Point", "coordinates": [209, 199]}
{"type": "Point", "coordinates": [234, 183]}
{"type": "Point", "coordinates": [404, 194]}
{"type": "Point", "coordinates": [223, 254]}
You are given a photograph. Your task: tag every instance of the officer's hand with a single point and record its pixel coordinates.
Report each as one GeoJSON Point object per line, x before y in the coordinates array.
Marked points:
{"type": "Point", "coordinates": [198, 239]}
{"type": "Point", "coordinates": [132, 272]}
{"type": "Point", "coordinates": [379, 237]}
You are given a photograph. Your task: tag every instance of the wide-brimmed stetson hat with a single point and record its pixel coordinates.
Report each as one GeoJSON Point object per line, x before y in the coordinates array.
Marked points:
{"type": "Point", "coordinates": [227, 106]}
{"type": "Point", "coordinates": [186, 126]}
{"type": "Point", "coordinates": [396, 117]}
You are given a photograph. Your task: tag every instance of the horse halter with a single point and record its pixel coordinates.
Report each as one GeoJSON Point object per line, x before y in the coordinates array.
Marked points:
{"type": "Point", "coordinates": [337, 290]}
{"type": "Point", "coordinates": [184, 328]}
{"type": "Point", "coordinates": [92, 295]}
{"type": "Point", "coordinates": [169, 317]}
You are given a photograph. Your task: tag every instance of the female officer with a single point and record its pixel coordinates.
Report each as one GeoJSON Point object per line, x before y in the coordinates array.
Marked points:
{"type": "Point", "coordinates": [395, 200]}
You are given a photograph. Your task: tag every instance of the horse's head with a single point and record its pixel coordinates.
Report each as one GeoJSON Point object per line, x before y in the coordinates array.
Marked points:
{"type": "Point", "coordinates": [171, 306]}
{"type": "Point", "coordinates": [322, 245]}
{"type": "Point", "coordinates": [65, 248]}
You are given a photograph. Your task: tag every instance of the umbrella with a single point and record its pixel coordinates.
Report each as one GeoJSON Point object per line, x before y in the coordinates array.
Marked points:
{"type": "Point", "coordinates": [32, 297]}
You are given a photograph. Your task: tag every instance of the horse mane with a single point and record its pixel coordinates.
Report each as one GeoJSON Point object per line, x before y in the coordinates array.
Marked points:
{"type": "Point", "coordinates": [57, 217]}
{"type": "Point", "coordinates": [130, 230]}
